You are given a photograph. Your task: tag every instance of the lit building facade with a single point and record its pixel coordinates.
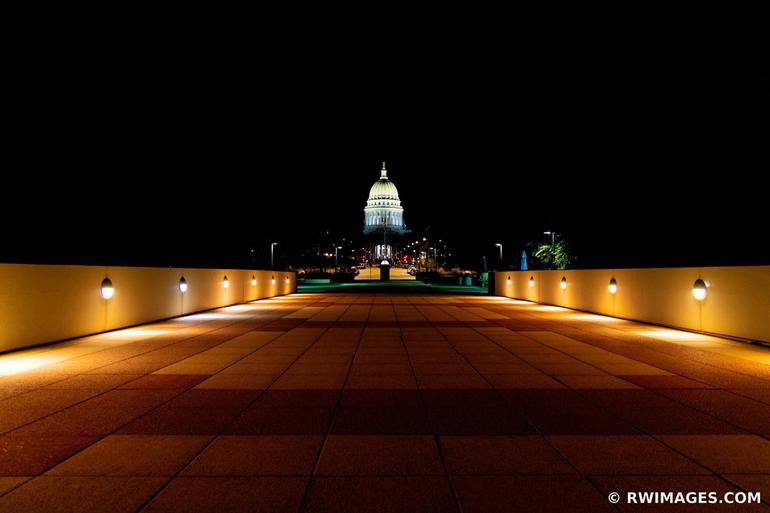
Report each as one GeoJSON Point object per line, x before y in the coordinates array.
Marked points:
{"type": "Point", "coordinates": [383, 210]}
{"type": "Point", "coordinates": [384, 218]}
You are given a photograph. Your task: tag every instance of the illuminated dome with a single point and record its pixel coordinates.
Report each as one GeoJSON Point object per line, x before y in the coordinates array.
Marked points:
{"type": "Point", "coordinates": [383, 210]}
{"type": "Point", "coordinates": [383, 189]}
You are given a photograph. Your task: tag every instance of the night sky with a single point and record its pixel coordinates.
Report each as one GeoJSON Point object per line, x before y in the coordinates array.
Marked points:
{"type": "Point", "coordinates": [650, 164]}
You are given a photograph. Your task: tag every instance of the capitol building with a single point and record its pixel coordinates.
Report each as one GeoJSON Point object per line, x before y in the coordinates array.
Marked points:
{"type": "Point", "coordinates": [384, 217]}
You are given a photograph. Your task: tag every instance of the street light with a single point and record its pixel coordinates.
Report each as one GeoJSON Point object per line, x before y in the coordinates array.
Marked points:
{"type": "Point", "coordinates": [500, 247]}
{"type": "Point", "coordinates": [553, 237]}
{"type": "Point", "coordinates": [336, 260]}
{"type": "Point", "coordinates": [272, 254]}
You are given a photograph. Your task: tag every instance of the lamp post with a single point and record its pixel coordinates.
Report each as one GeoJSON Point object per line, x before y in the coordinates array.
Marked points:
{"type": "Point", "coordinates": [272, 254]}
{"type": "Point", "coordinates": [336, 260]}
{"type": "Point", "coordinates": [500, 247]}
{"type": "Point", "coordinates": [553, 237]}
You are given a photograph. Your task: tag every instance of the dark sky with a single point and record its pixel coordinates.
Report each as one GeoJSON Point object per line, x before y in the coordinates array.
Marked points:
{"type": "Point", "coordinates": [636, 160]}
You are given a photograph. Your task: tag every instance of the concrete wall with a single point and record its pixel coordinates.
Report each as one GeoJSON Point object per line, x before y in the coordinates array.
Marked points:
{"type": "Point", "coordinates": [43, 303]}
{"type": "Point", "coordinates": [737, 303]}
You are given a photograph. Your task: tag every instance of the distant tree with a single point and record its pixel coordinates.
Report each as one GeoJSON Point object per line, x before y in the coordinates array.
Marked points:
{"type": "Point", "coordinates": [556, 256]}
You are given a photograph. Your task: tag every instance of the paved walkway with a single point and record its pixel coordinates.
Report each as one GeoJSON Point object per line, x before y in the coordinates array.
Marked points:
{"type": "Point", "coordinates": [373, 273]}
{"type": "Point", "coordinates": [389, 403]}
{"type": "Point", "coordinates": [397, 287]}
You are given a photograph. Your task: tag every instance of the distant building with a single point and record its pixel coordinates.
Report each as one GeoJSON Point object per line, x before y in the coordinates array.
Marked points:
{"type": "Point", "coordinates": [383, 210]}
{"type": "Point", "coordinates": [384, 217]}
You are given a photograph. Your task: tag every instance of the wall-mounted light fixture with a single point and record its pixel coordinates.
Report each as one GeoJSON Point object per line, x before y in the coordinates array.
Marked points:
{"type": "Point", "coordinates": [107, 289]}
{"type": "Point", "coordinates": [286, 279]}
{"type": "Point", "coordinates": [531, 281]}
{"type": "Point", "coordinates": [699, 289]}
{"type": "Point", "coordinates": [182, 285]}
{"type": "Point", "coordinates": [563, 284]}
{"type": "Point", "coordinates": [273, 280]}
{"type": "Point", "coordinates": [509, 280]}
{"type": "Point", "coordinates": [253, 281]}
{"type": "Point", "coordinates": [613, 286]}
{"type": "Point", "coordinates": [225, 282]}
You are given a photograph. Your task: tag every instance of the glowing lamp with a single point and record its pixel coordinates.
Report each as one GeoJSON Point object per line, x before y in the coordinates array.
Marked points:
{"type": "Point", "coordinates": [273, 280]}
{"type": "Point", "coordinates": [509, 280]}
{"type": "Point", "coordinates": [286, 279]}
{"type": "Point", "coordinates": [226, 282]}
{"type": "Point", "coordinates": [531, 281]}
{"type": "Point", "coordinates": [563, 284]}
{"type": "Point", "coordinates": [182, 285]}
{"type": "Point", "coordinates": [613, 286]}
{"type": "Point", "coordinates": [107, 289]}
{"type": "Point", "coordinates": [699, 289]}
{"type": "Point", "coordinates": [253, 281]}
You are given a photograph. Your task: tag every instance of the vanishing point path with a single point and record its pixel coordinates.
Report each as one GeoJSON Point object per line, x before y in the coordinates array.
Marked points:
{"type": "Point", "coordinates": [336, 402]}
